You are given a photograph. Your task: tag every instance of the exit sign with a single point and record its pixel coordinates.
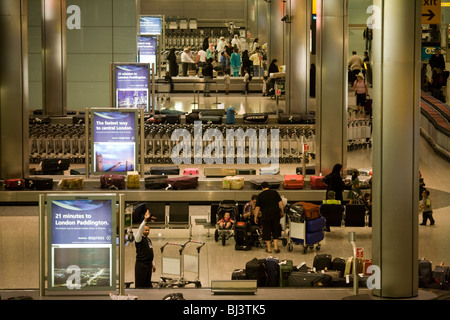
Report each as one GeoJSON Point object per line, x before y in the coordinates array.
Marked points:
{"type": "Point", "coordinates": [431, 11]}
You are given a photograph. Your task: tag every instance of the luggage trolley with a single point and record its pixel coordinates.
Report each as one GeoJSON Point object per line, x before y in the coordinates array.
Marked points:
{"type": "Point", "coordinates": [175, 267]}
{"type": "Point", "coordinates": [305, 232]}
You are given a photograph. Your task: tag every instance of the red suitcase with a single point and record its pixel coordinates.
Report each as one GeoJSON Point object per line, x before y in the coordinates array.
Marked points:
{"type": "Point", "coordinates": [293, 181]}
{"type": "Point", "coordinates": [190, 172]}
{"type": "Point", "coordinates": [317, 183]}
{"type": "Point", "coordinates": [15, 184]}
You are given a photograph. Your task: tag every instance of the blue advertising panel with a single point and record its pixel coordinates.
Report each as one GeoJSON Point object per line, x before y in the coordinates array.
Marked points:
{"type": "Point", "coordinates": [114, 141]}
{"type": "Point", "coordinates": [131, 85]}
{"type": "Point", "coordinates": [147, 49]}
{"type": "Point", "coordinates": [150, 25]}
{"type": "Point", "coordinates": [81, 242]}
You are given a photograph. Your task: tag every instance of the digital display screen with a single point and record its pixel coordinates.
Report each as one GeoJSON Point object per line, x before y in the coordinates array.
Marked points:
{"type": "Point", "coordinates": [82, 244]}
{"type": "Point", "coordinates": [147, 49]}
{"type": "Point", "coordinates": [150, 25]}
{"type": "Point", "coordinates": [114, 141]}
{"type": "Point", "coordinates": [131, 85]}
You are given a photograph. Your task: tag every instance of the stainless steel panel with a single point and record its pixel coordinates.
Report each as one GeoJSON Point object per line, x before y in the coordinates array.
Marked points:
{"type": "Point", "coordinates": [54, 76]}
{"type": "Point", "coordinates": [331, 60]}
{"type": "Point", "coordinates": [395, 150]}
{"type": "Point", "coordinates": [275, 37]}
{"type": "Point", "coordinates": [14, 89]}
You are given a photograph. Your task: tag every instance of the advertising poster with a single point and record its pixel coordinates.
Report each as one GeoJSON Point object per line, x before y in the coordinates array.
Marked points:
{"type": "Point", "coordinates": [82, 236]}
{"type": "Point", "coordinates": [147, 49]}
{"type": "Point", "coordinates": [114, 141]}
{"type": "Point", "coordinates": [132, 83]}
{"type": "Point", "coordinates": [150, 25]}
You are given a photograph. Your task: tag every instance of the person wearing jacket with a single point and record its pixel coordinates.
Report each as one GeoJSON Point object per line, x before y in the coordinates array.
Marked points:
{"type": "Point", "coordinates": [334, 182]}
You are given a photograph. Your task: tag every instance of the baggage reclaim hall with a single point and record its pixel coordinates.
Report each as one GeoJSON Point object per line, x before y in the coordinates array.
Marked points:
{"type": "Point", "coordinates": [110, 108]}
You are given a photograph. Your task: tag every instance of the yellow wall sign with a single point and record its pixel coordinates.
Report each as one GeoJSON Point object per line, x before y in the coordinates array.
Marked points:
{"type": "Point", "coordinates": [431, 11]}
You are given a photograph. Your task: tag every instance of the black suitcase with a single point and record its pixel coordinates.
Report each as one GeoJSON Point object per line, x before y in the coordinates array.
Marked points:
{"type": "Point", "coordinates": [322, 261]}
{"type": "Point", "coordinates": [49, 166]}
{"type": "Point", "coordinates": [308, 280]}
{"type": "Point", "coordinates": [112, 181]}
{"type": "Point", "coordinates": [355, 215]}
{"type": "Point", "coordinates": [155, 182]}
{"type": "Point", "coordinates": [173, 118]}
{"type": "Point", "coordinates": [37, 183]}
{"type": "Point", "coordinates": [289, 119]}
{"type": "Point", "coordinates": [338, 264]}
{"type": "Point", "coordinates": [425, 273]}
{"type": "Point", "coordinates": [441, 275]}
{"type": "Point", "coordinates": [211, 119]}
{"type": "Point", "coordinates": [255, 269]}
{"type": "Point", "coordinates": [274, 183]}
{"type": "Point", "coordinates": [192, 117]}
{"type": "Point", "coordinates": [238, 274]}
{"type": "Point", "coordinates": [273, 272]}
{"type": "Point", "coordinates": [309, 170]}
{"type": "Point", "coordinates": [243, 236]}
{"type": "Point", "coordinates": [182, 183]}
{"type": "Point", "coordinates": [245, 172]}
{"type": "Point", "coordinates": [165, 170]}
{"type": "Point", "coordinates": [255, 118]}
{"type": "Point", "coordinates": [78, 172]}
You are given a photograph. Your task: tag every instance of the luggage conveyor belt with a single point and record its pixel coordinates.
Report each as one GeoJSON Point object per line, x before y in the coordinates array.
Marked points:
{"type": "Point", "coordinates": [209, 190]}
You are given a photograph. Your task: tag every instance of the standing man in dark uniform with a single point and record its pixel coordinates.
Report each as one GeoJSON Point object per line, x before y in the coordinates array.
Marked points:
{"type": "Point", "coordinates": [270, 207]}
{"type": "Point", "coordinates": [144, 266]}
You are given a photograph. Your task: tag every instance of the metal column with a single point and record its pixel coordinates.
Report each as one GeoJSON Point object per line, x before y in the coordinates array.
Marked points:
{"type": "Point", "coordinates": [54, 76]}
{"type": "Point", "coordinates": [331, 74]}
{"type": "Point", "coordinates": [396, 94]}
{"type": "Point", "coordinates": [14, 89]}
{"type": "Point", "coordinates": [275, 37]}
{"type": "Point", "coordinates": [297, 55]}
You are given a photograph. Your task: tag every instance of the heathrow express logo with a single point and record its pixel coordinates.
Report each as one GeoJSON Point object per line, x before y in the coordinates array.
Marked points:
{"type": "Point", "coordinates": [253, 144]}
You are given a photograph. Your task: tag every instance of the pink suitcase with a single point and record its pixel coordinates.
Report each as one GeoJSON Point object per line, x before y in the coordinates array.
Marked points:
{"type": "Point", "coordinates": [317, 183]}
{"type": "Point", "coordinates": [190, 172]}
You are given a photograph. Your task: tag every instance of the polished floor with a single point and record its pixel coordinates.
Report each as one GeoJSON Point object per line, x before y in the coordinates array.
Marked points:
{"type": "Point", "coordinates": [19, 243]}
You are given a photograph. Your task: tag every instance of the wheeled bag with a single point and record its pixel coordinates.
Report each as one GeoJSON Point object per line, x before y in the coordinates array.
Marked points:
{"type": "Point", "coordinates": [155, 182]}
{"type": "Point", "coordinates": [311, 211]}
{"type": "Point", "coordinates": [273, 272]}
{"type": "Point", "coordinates": [322, 262]}
{"type": "Point", "coordinates": [190, 172]}
{"type": "Point", "coordinates": [255, 118]}
{"type": "Point", "coordinates": [314, 225]}
{"type": "Point", "coordinates": [317, 183]}
{"type": "Point", "coordinates": [245, 171]}
{"type": "Point", "coordinates": [230, 116]}
{"type": "Point", "coordinates": [289, 119]}
{"type": "Point", "coordinates": [211, 119]}
{"type": "Point", "coordinates": [238, 274]}
{"type": "Point", "coordinates": [269, 170]}
{"type": "Point", "coordinates": [293, 182]}
{"type": "Point", "coordinates": [308, 280]}
{"type": "Point", "coordinates": [165, 170]}
{"type": "Point", "coordinates": [286, 268]}
{"type": "Point", "coordinates": [243, 236]}
{"type": "Point", "coordinates": [274, 182]}
{"type": "Point", "coordinates": [49, 166]}
{"type": "Point", "coordinates": [14, 184]}
{"type": "Point", "coordinates": [182, 183]}
{"type": "Point", "coordinates": [112, 181]}
{"type": "Point", "coordinates": [213, 172]}
{"type": "Point", "coordinates": [309, 170]}
{"type": "Point", "coordinates": [425, 273]}
{"type": "Point", "coordinates": [255, 269]}
{"type": "Point", "coordinates": [314, 237]}
{"type": "Point", "coordinates": [37, 183]}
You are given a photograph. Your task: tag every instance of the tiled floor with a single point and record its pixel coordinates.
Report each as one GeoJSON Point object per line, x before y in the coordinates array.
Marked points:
{"type": "Point", "coordinates": [19, 259]}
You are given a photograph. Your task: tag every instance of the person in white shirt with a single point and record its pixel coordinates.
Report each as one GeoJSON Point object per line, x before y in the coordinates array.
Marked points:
{"type": "Point", "coordinates": [220, 45]}
{"type": "Point", "coordinates": [201, 59]}
{"type": "Point", "coordinates": [236, 42]}
{"type": "Point", "coordinates": [185, 61]}
{"type": "Point", "coordinates": [145, 265]}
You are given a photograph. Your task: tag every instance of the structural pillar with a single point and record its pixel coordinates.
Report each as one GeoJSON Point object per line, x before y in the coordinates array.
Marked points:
{"type": "Point", "coordinates": [275, 39]}
{"type": "Point", "coordinates": [331, 89]}
{"type": "Point", "coordinates": [54, 93]}
{"type": "Point", "coordinates": [14, 89]}
{"type": "Point", "coordinates": [297, 55]}
{"type": "Point", "coordinates": [395, 191]}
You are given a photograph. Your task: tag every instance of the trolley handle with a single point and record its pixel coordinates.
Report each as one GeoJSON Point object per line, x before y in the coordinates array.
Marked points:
{"type": "Point", "coordinates": [201, 244]}
{"type": "Point", "coordinates": [173, 244]}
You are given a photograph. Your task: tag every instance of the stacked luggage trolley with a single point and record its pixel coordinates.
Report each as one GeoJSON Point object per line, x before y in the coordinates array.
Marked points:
{"type": "Point", "coordinates": [304, 226]}
{"type": "Point", "coordinates": [359, 134]}
{"type": "Point", "coordinates": [178, 262]}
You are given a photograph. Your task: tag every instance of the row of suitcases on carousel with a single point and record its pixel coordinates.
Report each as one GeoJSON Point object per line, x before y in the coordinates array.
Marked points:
{"type": "Point", "coordinates": [325, 272]}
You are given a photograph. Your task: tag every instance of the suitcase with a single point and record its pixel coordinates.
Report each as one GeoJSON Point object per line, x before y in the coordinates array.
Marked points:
{"type": "Point", "coordinates": [338, 264]}
{"type": "Point", "coordinates": [238, 274]}
{"type": "Point", "coordinates": [133, 180]}
{"type": "Point", "coordinates": [364, 266]}
{"type": "Point", "coordinates": [192, 117]}
{"type": "Point", "coordinates": [182, 183]}
{"type": "Point", "coordinates": [255, 118]}
{"type": "Point", "coordinates": [315, 225]}
{"type": "Point", "coordinates": [286, 268]}
{"type": "Point", "coordinates": [289, 119]}
{"type": "Point", "coordinates": [218, 172]}
{"type": "Point", "coordinates": [425, 273]}
{"type": "Point", "coordinates": [71, 183]}
{"type": "Point", "coordinates": [230, 116]}
{"type": "Point", "coordinates": [243, 236]}
{"type": "Point", "coordinates": [112, 181]}
{"type": "Point", "coordinates": [173, 118]}
{"type": "Point", "coordinates": [157, 119]}
{"type": "Point", "coordinates": [165, 170]}
{"type": "Point", "coordinates": [255, 269]}
{"type": "Point", "coordinates": [274, 182]}
{"type": "Point", "coordinates": [355, 215]}
{"type": "Point", "coordinates": [245, 172]}
{"type": "Point", "coordinates": [78, 172]}
{"type": "Point", "coordinates": [14, 184]}
{"type": "Point", "coordinates": [233, 183]}
{"type": "Point", "coordinates": [269, 170]}
{"type": "Point", "coordinates": [49, 166]}
{"type": "Point", "coordinates": [322, 262]}
{"type": "Point", "coordinates": [190, 172]}
{"type": "Point", "coordinates": [37, 183]}
{"type": "Point", "coordinates": [314, 237]}
{"type": "Point", "coordinates": [293, 182]}
{"type": "Point", "coordinates": [155, 182]}
{"type": "Point", "coordinates": [441, 275]}
{"type": "Point", "coordinates": [309, 170]}
{"type": "Point", "coordinates": [317, 183]}
{"type": "Point", "coordinates": [273, 272]}
{"type": "Point", "coordinates": [211, 119]}
{"type": "Point", "coordinates": [310, 210]}
{"type": "Point", "coordinates": [308, 280]}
